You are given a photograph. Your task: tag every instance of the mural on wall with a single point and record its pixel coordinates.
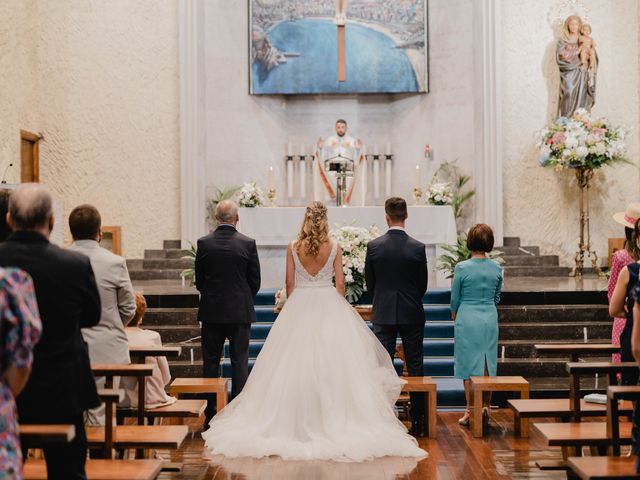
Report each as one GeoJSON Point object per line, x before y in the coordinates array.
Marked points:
{"type": "Point", "coordinates": [338, 46]}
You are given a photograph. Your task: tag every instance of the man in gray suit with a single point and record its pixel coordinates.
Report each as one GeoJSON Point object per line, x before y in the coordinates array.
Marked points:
{"type": "Point", "coordinates": [107, 341]}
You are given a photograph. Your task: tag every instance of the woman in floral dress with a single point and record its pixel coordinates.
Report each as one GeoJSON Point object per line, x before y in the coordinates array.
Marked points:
{"type": "Point", "coordinates": [21, 328]}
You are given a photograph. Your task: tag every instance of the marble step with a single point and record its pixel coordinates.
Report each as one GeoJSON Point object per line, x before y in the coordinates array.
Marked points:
{"type": "Point", "coordinates": [166, 264]}
{"type": "Point", "coordinates": [537, 367]}
{"type": "Point", "coordinates": [525, 348]}
{"type": "Point", "coordinates": [555, 331]}
{"type": "Point", "coordinates": [166, 253]}
{"type": "Point", "coordinates": [171, 316]}
{"type": "Point", "coordinates": [171, 244]}
{"type": "Point", "coordinates": [553, 313]}
{"type": "Point", "coordinates": [511, 241]}
{"type": "Point", "coordinates": [167, 274]}
{"type": "Point", "coordinates": [543, 271]}
{"type": "Point", "coordinates": [530, 261]}
{"type": "Point", "coordinates": [519, 251]}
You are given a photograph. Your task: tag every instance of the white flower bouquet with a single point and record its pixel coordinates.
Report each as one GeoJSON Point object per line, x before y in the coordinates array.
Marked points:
{"type": "Point", "coordinates": [353, 241]}
{"type": "Point", "coordinates": [581, 142]}
{"type": "Point", "coordinates": [250, 196]}
{"type": "Point", "coordinates": [281, 298]}
{"type": "Point", "coordinates": [440, 193]}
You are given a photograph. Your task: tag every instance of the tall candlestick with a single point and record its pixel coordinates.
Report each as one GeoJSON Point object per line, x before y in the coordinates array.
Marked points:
{"type": "Point", "coordinates": [388, 148]}
{"type": "Point", "coordinates": [363, 174]}
{"type": "Point", "coordinates": [303, 177]}
{"type": "Point", "coordinates": [271, 179]}
{"type": "Point", "coordinates": [387, 178]}
{"type": "Point", "coordinates": [417, 177]}
{"type": "Point", "coordinates": [289, 179]}
{"type": "Point", "coordinates": [314, 179]}
{"type": "Point", "coordinates": [376, 179]}
{"type": "Point", "coordinates": [289, 149]}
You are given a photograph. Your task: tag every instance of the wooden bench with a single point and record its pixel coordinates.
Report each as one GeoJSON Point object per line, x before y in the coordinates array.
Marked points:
{"type": "Point", "coordinates": [559, 408]}
{"type": "Point", "coordinates": [103, 469]}
{"type": "Point", "coordinates": [479, 385]}
{"type": "Point", "coordinates": [427, 386]}
{"type": "Point", "coordinates": [575, 350]}
{"type": "Point", "coordinates": [575, 435]}
{"type": "Point", "coordinates": [219, 386]}
{"type": "Point", "coordinates": [180, 410]}
{"type": "Point", "coordinates": [579, 369]}
{"type": "Point", "coordinates": [604, 468]}
{"type": "Point", "coordinates": [132, 370]}
{"type": "Point", "coordinates": [37, 435]}
{"type": "Point", "coordinates": [614, 395]}
{"type": "Point", "coordinates": [139, 436]}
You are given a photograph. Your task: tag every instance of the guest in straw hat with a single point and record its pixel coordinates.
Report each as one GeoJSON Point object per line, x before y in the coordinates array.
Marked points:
{"type": "Point", "coordinates": [621, 258]}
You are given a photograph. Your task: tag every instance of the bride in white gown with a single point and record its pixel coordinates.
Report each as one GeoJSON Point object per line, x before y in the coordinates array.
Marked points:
{"type": "Point", "coordinates": [322, 387]}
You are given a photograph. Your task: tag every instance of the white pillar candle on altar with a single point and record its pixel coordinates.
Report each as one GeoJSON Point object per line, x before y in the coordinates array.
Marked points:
{"type": "Point", "coordinates": [289, 149]}
{"type": "Point", "coordinates": [388, 148]}
{"type": "Point", "coordinates": [375, 149]}
{"type": "Point", "coordinates": [376, 178]}
{"type": "Point", "coordinates": [314, 179]}
{"type": "Point", "coordinates": [289, 179]}
{"type": "Point", "coordinates": [417, 177]}
{"type": "Point", "coordinates": [303, 177]}
{"type": "Point", "coordinates": [302, 154]}
{"type": "Point", "coordinates": [363, 182]}
{"type": "Point", "coordinates": [387, 178]}
{"type": "Point", "coordinates": [271, 179]}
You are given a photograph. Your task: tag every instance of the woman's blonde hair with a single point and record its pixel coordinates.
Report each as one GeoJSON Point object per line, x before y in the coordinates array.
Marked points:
{"type": "Point", "coordinates": [314, 230]}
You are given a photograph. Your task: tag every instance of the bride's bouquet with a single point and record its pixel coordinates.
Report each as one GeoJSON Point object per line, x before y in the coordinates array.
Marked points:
{"type": "Point", "coordinates": [353, 241]}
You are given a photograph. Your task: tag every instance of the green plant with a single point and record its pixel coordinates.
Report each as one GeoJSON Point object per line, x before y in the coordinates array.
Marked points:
{"type": "Point", "coordinates": [450, 172]}
{"type": "Point", "coordinates": [189, 273]}
{"type": "Point", "coordinates": [459, 253]}
{"type": "Point", "coordinates": [212, 203]}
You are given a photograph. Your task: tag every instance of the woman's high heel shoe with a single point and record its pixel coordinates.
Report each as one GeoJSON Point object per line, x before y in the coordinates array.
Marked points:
{"type": "Point", "coordinates": [464, 421]}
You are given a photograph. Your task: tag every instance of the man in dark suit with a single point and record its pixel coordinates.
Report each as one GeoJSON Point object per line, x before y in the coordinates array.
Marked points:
{"type": "Point", "coordinates": [227, 277]}
{"type": "Point", "coordinates": [61, 387]}
{"type": "Point", "coordinates": [396, 276]}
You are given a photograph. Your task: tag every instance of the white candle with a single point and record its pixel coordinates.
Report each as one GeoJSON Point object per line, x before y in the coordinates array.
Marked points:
{"type": "Point", "coordinates": [303, 177]}
{"type": "Point", "coordinates": [584, 330]}
{"type": "Point", "coordinates": [271, 179]}
{"type": "Point", "coordinates": [387, 179]}
{"type": "Point", "coordinates": [375, 149]}
{"type": "Point", "coordinates": [363, 191]}
{"type": "Point", "coordinates": [417, 177]}
{"type": "Point", "coordinates": [289, 149]}
{"type": "Point", "coordinates": [388, 148]}
{"type": "Point", "coordinates": [302, 154]}
{"type": "Point", "coordinates": [376, 179]}
{"type": "Point", "coordinates": [503, 353]}
{"type": "Point", "coordinates": [314, 179]}
{"type": "Point", "coordinates": [290, 179]}
{"type": "Point", "coordinates": [191, 356]}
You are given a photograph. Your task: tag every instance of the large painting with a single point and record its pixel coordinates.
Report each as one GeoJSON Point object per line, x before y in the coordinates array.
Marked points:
{"type": "Point", "coordinates": [338, 46]}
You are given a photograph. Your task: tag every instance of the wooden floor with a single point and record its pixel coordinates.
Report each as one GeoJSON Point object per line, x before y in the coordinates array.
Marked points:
{"type": "Point", "coordinates": [455, 454]}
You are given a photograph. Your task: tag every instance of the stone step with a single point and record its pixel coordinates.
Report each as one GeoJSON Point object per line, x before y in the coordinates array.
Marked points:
{"type": "Point", "coordinates": [171, 316]}
{"type": "Point", "coordinates": [519, 251]}
{"type": "Point", "coordinates": [511, 241]}
{"type": "Point", "coordinates": [134, 264]}
{"type": "Point", "coordinates": [172, 274]}
{"type": "Point", "coordinates": [534, 367]}
{"type": "Point", "coordinates": [544, 271]}
{"type": "Point", "coordinates": [553, 313]}
{"type": "Point", "coordinates": [525, 348]}
{"type": "Point", "coordinates": [554, 331]}
{"type": "Point", "coordinates": [531, 261]}
{"type": "Point", "coordinates": [166, 264]}
{"type": "Point", "coordinates": [167, 253]}
{"type": "Point", "coordinates": [171, 244]}
{"type": "Point", "coordinates": [177, 300]}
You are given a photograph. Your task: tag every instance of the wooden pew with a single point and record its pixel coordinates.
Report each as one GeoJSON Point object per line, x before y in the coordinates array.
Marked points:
{"type": "Point", "coordinates": [604, 468]}
{"type": "Point", "coordinates": [559, 408]}
{"type": "Point", "coordinates": [37, 435]}
{"type": "Point", "coordinates": [103, 469]}
{"type": "Point", "coordinates": [579, 369]}
{"type": "Point", "coordinates": [427, 386]}
{"type": "Point", "coordinates": [575, 350]}
{"type": "Point", "coordinates": [479, 385]}
{"type": "Point", "coordinates": [219, 386]}
{"type": "Point", "coordinates": [614, 395]}
{"type": "Point", "coordinates": [132, 370]}
{"type": "Point", "coordinates": [575, 435]}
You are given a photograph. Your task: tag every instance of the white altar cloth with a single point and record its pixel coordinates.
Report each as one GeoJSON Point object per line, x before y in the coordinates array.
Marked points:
{"type": "Point", "coordinates": [277, 226]}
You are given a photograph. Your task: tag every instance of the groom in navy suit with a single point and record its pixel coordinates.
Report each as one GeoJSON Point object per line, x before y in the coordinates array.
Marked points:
{"type": "Point", "coordinates": [396, 276]}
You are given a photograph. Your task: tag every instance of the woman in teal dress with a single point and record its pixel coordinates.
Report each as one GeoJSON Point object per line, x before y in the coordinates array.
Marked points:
{"type": "Point", "coordinates": [474, 294]}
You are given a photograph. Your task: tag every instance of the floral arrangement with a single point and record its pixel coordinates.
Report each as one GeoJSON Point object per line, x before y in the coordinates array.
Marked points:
{"type": "Point", "coordinates": [250, 196]}
{"type": "Point", "coordinates": [582, 142]}
{"type": "Point", "coordinates": [440, 193]}
{"type": "Point", "coordinates": [353, 241]}
{"type": "Point", "coordinates": [281, 298]}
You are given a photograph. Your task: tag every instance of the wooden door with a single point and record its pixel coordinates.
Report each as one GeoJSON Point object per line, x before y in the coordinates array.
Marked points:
{"type": "Point", "coordinates": [29, 157]}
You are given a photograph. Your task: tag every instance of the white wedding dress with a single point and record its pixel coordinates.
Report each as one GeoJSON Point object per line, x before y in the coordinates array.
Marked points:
{"type": "Point", "coordinates": [322, 387]}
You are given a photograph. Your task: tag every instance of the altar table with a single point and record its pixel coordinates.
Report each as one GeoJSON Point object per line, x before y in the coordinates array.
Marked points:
{"type": "Point", "coordinates": [274, 228]}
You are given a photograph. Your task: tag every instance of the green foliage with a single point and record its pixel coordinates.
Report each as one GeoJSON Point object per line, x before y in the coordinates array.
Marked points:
{"type": "Point", "coordinates": [450, 172]}
{"type": "Point", "coordinates": [190, 272]}
{"type": "Point", "coordinates": [459, 253]}
{"type": "Point", "coordinates": [226, 194]}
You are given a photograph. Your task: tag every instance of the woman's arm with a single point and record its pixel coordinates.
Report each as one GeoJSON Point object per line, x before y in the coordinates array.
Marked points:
{"type": "Point", "coordinates": [456, 289]}
{"type": "Point", "coordinates": [617, 303]}
{"type": "Point", "coordinates": [635, 333]}
{"type": "Point", "coordinates": [337, 266]}
{"type": "Point", "coordinates": [290, 278]}
{"type": "Point", "coordinates": [16, 378]}
{"type": "Point", "coordinates": [616, 267]}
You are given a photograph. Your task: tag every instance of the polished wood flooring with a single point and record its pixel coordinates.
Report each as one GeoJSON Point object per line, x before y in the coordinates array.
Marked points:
{"type": "Point", "coordinates": [455, 454]}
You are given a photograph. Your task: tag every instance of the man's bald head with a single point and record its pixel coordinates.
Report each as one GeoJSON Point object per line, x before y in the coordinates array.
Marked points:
{"type": "Point", "coordinates": [227, 212]}
{"type": "Point", "coordinates": [31, 207]}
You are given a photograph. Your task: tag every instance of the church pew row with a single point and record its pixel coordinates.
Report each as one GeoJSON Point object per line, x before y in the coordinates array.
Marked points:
{"type": "Point", "coordinates": [103, 469]}
{"type": "Point", "coordinates": [604, 468]}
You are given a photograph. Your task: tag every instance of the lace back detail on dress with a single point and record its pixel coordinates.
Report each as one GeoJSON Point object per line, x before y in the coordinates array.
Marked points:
{"type": "Point", "coordinates": [323, 278]}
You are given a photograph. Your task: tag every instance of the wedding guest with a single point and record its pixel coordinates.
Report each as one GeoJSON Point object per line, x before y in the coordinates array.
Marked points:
{"type": "Point", "coordinates": [5, 230]}
{"type": "Point", "coordinates": [475, 292]}
{"type": "Point", "coordinates": [61, 386]}
{"type": "Point", "coordinates": [621, 305]}
{"type": "Point", "coordinates": [621, 258]}
{"type": "Point", "coordinates": [635, 348]}
{"type": "Point", "coordinates": [107, 341]}
{"type": "Point", "coordinates": [227, 277]}
{"type": "Point", "coordinates": [21, 328]}
{"type": "Point", "coordinates": [155, 394]}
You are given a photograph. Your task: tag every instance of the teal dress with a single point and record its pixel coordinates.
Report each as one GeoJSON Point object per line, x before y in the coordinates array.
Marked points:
{"type": "Point", "coordinates": [474, 294]}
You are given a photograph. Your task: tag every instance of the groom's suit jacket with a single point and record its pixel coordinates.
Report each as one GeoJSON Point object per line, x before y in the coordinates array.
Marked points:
{"type": "Point", "coordinates": [396, 276]}
{"type": "Point", "coordinates": [227, 276]}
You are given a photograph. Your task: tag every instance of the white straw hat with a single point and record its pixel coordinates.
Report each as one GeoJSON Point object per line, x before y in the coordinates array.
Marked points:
{"type": "Point", "coordinates": [629, 217]}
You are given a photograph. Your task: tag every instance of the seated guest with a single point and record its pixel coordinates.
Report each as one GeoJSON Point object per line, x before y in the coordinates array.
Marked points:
{"type": "Point", "coordinates": [156, 395]}
{"type": "Point", "coordinates": [61, 387]}
{"type": "Point", "coordinates": [475, 292]}
{"type": "Point", "coordinates": [21, 328]}
{"type": "Point", "coordinates": [4, 208]}
{"type": "Point", "coordinates": [635, 349]}
{"type": "Point", "coordinates": [621, 305]}
{"type": "Point", "coordinates": [107, 341]}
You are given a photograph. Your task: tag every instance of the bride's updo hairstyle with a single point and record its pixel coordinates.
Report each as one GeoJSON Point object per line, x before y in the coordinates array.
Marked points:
{"type": "Point", "coordinates": [315, 229]}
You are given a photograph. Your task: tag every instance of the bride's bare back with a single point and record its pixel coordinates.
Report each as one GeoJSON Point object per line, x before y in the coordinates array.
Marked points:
{"type": "Point", "coordinates": [313, 264]}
